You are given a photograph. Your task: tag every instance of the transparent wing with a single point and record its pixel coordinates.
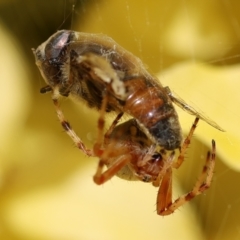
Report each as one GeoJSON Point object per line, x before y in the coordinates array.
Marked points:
{"type": "Point", "coordinates": [183, 105]}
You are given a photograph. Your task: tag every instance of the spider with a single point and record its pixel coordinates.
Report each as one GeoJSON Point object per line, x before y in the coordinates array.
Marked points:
{"type": "Point", "coordinates": [129, 154]}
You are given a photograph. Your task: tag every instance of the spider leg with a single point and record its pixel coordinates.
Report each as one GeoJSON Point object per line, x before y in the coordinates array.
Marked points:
{"type": "Point", "coordinates": [101, 123]}
{"type": "Point", "coordinates": [66, 125]}
{"type": "Point", "coordinates": [101, 177]}
{"type": "Point", "coordinates": [202, 184]}
{"type": "Point", "coordinates": [167, 164]}
{"type": "Point", "coordinates": [113, 125]}
{"type": "Point", "coordinates": [185, 145]}
{"type": "Point", "coordinates": [164, 197]}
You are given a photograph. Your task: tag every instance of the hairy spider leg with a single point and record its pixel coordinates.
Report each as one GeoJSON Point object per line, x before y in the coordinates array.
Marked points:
{"type": "Point", "coordinates": [169, 162]}
{"type": "Point", "coordinates": [185, 144]}
{"type": "Point", "coordinates": [101, 177]}
{"type": "Point", "coordinates": [66, 125]}
{"type": "Point", "coordinates": [164, 204]}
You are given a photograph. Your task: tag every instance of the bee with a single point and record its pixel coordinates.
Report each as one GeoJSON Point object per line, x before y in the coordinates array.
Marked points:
{"type": "Point", "coordinates": [93, 68]}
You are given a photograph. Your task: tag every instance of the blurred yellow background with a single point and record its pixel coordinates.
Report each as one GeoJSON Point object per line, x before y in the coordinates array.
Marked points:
{"type": "Point", "coordinates": [46, 187]}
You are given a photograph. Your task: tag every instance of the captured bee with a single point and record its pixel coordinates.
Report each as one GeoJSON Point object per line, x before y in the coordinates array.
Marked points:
{"type": "Point", "coordinates": [95, 69]}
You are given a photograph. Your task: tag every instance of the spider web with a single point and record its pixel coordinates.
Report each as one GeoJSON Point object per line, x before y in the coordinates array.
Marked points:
{"type": "Point", "coordinates": [167, 36]}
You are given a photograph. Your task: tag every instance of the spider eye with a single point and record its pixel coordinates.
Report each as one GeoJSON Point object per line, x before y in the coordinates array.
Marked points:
{"type": "Point", "coordinates": [156, 157]}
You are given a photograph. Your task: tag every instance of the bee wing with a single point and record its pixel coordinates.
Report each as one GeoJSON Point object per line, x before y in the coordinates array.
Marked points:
{"type": "Point", "coordinates": [190, 110]}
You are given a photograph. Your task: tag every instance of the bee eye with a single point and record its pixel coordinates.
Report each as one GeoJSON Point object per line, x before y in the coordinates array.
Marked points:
{"type": "Point", "coordinates": [56, 47]}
